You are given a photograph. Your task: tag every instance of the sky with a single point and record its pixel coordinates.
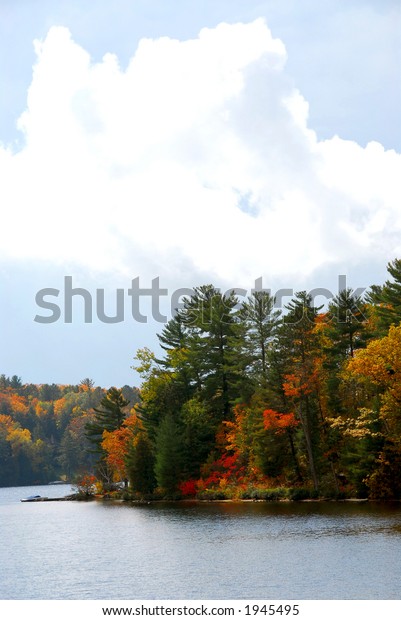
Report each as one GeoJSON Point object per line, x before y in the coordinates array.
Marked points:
{"type": "Point", "coordinates": [153, 146]}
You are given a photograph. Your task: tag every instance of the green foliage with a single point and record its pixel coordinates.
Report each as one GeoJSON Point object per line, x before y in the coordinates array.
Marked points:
{"type": "Point", "coordinates": [225, 363]}
{"type": "Point", "coordinates": [263, 494]}
{"type": "Point", "coordinates": [298, 494]}
{"type": "Point", "coordinates": [198, 436]}
{"type": "Point", "coordinates": [243, 403]}
{"type": "Point", "coordinates": [260, 321]}
{"type": "Point", "coordinates": [298, 345]}
{"type": "Point", "coordinates": [109, 417]}
{"type": "Point", "coordinates": [212, 495]}
{"type": "Point", "coordinates": [347, 319]}
{"type": "Point", "coordinates": [141, 465]}
{"type": "Point", "coordinates": [209, 317]}
{"type": "Point", "coordinates": [43, 440]}
{"type": "Point", "coordinates": [168, 466]}
{"type": "Point", "coordinates": [386, 299]}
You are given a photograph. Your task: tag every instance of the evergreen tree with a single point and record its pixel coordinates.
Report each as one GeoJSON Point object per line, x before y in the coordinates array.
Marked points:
{"type": "Point", "coordinates": [386, 299]}
{"type": "Point", "coordinates": [210, 318]}
{"type": "Point", "coordinates": [87, 383]}
{"type": "Point", "coordinates": [346, 330]}
{"type": "Point", "coordinates": [297, 342]}
{"type": "Point", "coordinates": [140, 465]}
{"type": "Point", "coordinates": [15, 382]}
{"type": "Point", "coordinates": [174, 334]}
{"type": "Point", "coordinates": [198, 436]}
{"type": "Point", "coordinates": [4, 382]}
{"type": "Point", "coordinates": [174, 341]}
{"type": "Point", "coordinates": [347, 316]}
{"type": "Point", "coordinates": [109, 417]}
{"type": "Point", "coordinates": [258, 322]}
{"type": "Point", "coordinates": [168, 466]}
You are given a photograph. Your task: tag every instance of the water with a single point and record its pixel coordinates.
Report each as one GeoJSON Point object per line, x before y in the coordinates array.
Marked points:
{"type": "Point", "coordinates": [101, 550]}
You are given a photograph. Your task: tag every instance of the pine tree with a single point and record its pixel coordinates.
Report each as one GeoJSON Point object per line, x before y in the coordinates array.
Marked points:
{"type": "Point", "coordinates": [386, 299]}
{"type": "Point", "coordinates": [168, 464]}
{"type": "Point", "coordinates": [174, 341]}
{"type": "Point", "coordinates": [347, 315]}
{"type": "Point", "coordinates": [140, 465]}
{"type": "Point", "coordinates": [259, 320]}
{"type": "Point", "coordinates": [210, 318]}
{"type": "Point", "coordinates": [297, 343]}
{"type": "Point", "coordinates": [109, 417]}
{"type": "Point", "coordinates": [346, 331]}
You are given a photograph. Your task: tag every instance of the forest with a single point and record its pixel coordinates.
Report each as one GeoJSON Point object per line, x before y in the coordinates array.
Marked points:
{"type": "Point", "coordinates": [242, 401]}
{"type": "Point", "coordinates": [42, 430]}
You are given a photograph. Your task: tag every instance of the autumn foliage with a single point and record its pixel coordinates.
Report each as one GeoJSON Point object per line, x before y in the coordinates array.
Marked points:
{"type": "Point", "coordinates": [42, 431]}
{"type": "Point", "coordinates": [244, 401]}
{"type": "Point", "coordinates": [278, 422]}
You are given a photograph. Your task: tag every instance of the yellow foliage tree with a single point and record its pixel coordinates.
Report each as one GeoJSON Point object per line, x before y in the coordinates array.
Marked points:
{"type": "Point", "coordinates": [380, 364]}
{"type": "Point", "coordinates": [20, 439]}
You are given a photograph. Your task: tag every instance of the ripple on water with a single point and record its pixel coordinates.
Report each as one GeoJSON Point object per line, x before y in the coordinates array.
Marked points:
{"type": "Point", "coordinates": [75, 550]}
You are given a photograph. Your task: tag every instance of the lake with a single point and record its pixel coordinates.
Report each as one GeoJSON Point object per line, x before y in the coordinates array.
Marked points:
{"type": "Point", "coordinates": [249, 550]}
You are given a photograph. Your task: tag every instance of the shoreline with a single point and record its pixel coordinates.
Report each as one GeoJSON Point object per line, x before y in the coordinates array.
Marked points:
{"type": "Point", "coordinates": [195, 500]}
{"type": "Point", "coordinates": [147, 502]}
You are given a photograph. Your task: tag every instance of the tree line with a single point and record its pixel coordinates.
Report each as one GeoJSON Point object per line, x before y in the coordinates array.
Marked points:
{"type": "Point", "coordinates": [42, 430]}
{"type": "Point", "coordinates": [242, 401]}
{"type": "Point", "coordinates": [246, 401]}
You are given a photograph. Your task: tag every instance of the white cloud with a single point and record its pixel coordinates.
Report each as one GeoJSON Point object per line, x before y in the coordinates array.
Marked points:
{"type": "Point", "coordinates": [199, 153]}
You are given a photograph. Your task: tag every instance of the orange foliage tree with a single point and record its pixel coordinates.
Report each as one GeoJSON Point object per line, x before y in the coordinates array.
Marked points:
{"type": "Point", "coordinates": [278, 422]}
{"type": "Point", "coordinates": [116, 445]}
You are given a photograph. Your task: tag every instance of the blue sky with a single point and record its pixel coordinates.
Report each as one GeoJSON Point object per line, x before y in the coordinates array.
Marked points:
{"type": "Point", "coordinates": [195, 142]}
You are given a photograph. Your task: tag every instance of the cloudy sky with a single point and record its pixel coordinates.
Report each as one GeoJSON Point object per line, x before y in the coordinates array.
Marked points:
{"type": "Point", "coordinates": [194, 142]}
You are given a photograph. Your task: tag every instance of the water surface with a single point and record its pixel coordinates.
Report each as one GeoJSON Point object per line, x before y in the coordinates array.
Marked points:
{"type": "Point", "coordinates": [268, 550]}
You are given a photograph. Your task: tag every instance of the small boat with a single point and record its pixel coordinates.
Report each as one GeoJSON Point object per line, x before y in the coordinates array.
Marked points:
{"type": "Point", "coordinates": [31, 498]}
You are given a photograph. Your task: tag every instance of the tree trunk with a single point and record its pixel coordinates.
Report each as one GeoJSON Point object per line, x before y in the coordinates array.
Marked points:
{"type": "Point", "coordinates": [305, 421]}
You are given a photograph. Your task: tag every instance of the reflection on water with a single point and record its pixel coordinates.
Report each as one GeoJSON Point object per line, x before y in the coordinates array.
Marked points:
{"type": "Point", "coordinates": [253, 550]}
